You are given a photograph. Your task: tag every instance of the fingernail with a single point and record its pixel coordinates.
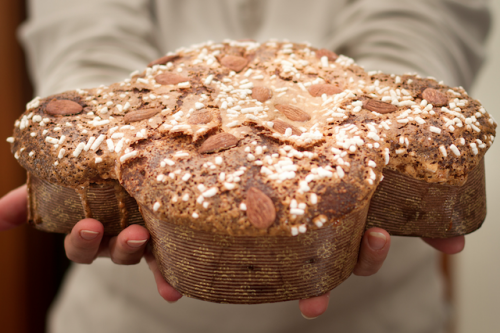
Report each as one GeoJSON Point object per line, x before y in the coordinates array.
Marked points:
{"type": "Point", "coordinates": [376, 240]}
{"type": "Point", "coordinates": [136, 243]}
{"type": "Point", "coordinates": [308, 318]}
{"type": "Point", "coordinates": [88, 235]}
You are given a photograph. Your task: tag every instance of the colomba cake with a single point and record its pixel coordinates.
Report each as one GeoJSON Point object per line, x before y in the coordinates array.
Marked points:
{"type": "Point", "coordinates": [256, 167]}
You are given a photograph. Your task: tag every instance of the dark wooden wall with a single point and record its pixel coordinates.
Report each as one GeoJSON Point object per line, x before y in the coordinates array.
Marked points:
{"type": "Point", "coordinates": [31, 262]}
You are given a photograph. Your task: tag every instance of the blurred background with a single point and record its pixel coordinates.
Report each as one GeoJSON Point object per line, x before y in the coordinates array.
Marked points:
{"type": "Point", "coordinates": [477, 269]}
{"type": "Point", "coordinates": [32, 263]}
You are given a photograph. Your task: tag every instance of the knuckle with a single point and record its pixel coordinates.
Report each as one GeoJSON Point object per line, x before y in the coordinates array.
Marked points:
{"type": "Point", "coordinates": [367, 266]}
{"type": "Point", "coordinates": [79, 259]}
{"type": "Point", "coordinates": [127, 260]}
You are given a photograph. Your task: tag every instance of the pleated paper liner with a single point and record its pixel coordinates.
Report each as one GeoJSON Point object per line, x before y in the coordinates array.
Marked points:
{"type": "Point", "coordinates": [56, 208]}
{"type": "Point", "coordinates": [406, 206]}
{"type": "Point", "coordinates": [246, 269]}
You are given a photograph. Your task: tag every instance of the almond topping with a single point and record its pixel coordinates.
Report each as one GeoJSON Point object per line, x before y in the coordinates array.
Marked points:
{"type": "Point", "coordinates": [260, 209]}
{"type": "Point", "coordinates": [234, 63]}
{"type": "Point", "coordinates": [262, 94]}
{"type": "Point", "coordinates": [63, 107]}
{"type": "Point", "coordinates": [218, 142]}
{"type": "Point", "coordinates": [140, 115]}
{"type": "Point", "coordinates": [293, 112]}
{"type": "Point", "coordinates": [200, 117]}
{"type": "Point", "coordinates": [332, 56]}
{"type": "Point", "coordinates": [435, 97]}
{"type": "Point", "coordinates": [170, 78]}
{"type": "Point", "coordinates": [317, 90]}
{"type": "Point", "coordinates": [164, 60]}
{"type": "Point", "coordinates": [379, 106]}
{"type": "Point", "coordinates": [280, 126]}
{"type": "Point", "coordinates": [284, 75]}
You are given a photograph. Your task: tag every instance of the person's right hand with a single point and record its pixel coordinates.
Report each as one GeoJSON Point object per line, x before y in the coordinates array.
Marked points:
{"type": "Point", "coordinates": [86, 241]}
{"type": "Point", "coordinates": [13, 208]}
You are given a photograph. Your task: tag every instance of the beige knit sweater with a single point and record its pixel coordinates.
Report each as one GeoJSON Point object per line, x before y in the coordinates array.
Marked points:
{"type": "Point", "coordinates": [84, 43]}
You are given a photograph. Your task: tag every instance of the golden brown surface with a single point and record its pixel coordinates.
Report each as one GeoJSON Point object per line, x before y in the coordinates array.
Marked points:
{"type": "Point", "coordinates": [311, 154]}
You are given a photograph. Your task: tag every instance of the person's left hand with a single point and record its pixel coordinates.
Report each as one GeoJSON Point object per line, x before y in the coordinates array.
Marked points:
{"type": "Point", "coordinates": [372, 253]}
{"type": "Point", "coordinates": [370, 260]}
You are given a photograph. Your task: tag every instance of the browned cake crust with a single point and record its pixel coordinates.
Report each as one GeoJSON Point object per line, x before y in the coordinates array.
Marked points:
{"type": "Point", "coordinates": [220, 143]}
{"type": "Point", "coordinates": [313, 134]}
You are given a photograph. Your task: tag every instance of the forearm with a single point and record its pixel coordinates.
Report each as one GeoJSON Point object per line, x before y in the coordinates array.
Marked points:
{"type": "Point", "coordinates": [72, 44]}
{"type": "Point", "coordinates": [82, 44]}
{"type": "Point", "coordinates": [444, 38]}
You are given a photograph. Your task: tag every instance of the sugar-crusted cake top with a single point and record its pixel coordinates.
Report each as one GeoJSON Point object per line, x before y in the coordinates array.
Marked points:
{"type": "Point", "coordinates": [246, 138]}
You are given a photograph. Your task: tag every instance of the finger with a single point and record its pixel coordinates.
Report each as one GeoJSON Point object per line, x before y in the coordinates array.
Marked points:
{"type": "Point", "coordinates": [13, 208]}
{"type": "Point", "coordinates": [128, 247]}
{"type": "Point", "coordinates": [82, 244]}
{"type": "Point", "coordinates": [449, 245]}
{"type": "Point", "coordinates": [314, 307]}
{"type": "Point", "coordinates": [164, 288]}
{"type": "Point", "coordinates": [374, 248]}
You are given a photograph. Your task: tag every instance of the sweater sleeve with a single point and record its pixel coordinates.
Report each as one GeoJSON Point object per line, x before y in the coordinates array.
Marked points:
{"type": "Point", "coordinates": [82, 44]}
{"type": "Point", "coordinates": [442, 38]}
{"type": "Point", "coordinates": [77, 44]}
